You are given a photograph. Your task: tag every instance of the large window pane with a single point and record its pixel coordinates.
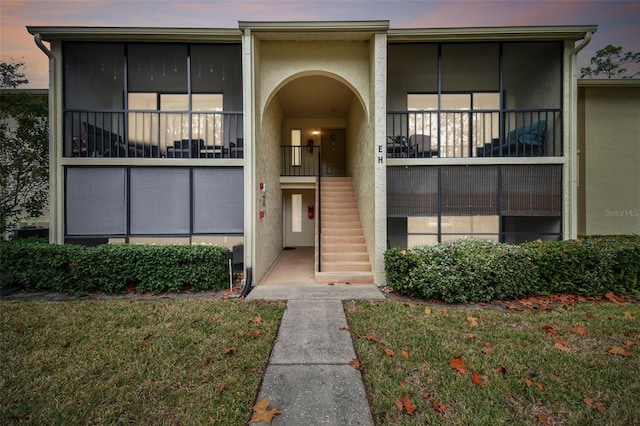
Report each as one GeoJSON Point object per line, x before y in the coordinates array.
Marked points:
{"type": "Point", "coordinates": [93, 75]}
{"type": "Point", "coordinates": [95, 201]}
{"type": "Point", "coordinates": [218, 200]}
{"type": "Point", "coordinates": [470, 67]}
{"type": "Point", "coordinates": [160, 201]}
{"type": "Point", "coordinates": [158, 67]}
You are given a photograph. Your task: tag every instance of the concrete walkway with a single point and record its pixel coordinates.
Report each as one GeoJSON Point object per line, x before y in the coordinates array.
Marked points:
{"type": "Point", "coordinates": [308, 377]}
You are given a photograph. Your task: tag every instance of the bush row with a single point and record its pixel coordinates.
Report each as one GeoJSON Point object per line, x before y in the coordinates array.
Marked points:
{"type": "Point", "coordinates": [112, 268]}
{"type": "Point", "coordinates": [465, 271]}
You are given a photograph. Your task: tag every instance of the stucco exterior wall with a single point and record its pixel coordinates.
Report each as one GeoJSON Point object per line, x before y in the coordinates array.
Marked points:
{"type": "Point", "coordinates": [268, 230]}
{"type": "Point", "coordinates": [610, 125]}
{"type": "Point", "coordinates": [280, 61]}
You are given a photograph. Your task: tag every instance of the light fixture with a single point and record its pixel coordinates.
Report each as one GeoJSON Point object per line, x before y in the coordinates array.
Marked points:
{"type": "Point", "coordinates": [315, 132]}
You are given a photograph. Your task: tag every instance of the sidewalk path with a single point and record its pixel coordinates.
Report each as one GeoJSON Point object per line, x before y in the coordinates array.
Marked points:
{"type": "Point", "coordinates": [309, 378]}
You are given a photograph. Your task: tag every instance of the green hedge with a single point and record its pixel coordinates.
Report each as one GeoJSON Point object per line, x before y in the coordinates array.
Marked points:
{"type": "Point", "coordinates": [475, 271]}
{"type": "Point", "coordinates": [112, 268]}
{"type": "Point", "coordinates": [462, 271]}
{"type": "Point", "coordinates": [589, 266]}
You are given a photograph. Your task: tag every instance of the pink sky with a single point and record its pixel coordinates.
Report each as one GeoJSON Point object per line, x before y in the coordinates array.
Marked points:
{"type": "Point", "coordinates": [617, 20]}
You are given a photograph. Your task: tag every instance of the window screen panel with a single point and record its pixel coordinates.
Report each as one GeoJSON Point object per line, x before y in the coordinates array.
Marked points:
{"type": "Point", "coordinates": [218, 200]}
{"type": "Point", "coordinates": [532, 190]}
{"type": "Point", "coordinates": [95, 201]}
{"type": "Point", "coordinates": [160, 201]}
{"type": "Point", "coordinates": [469, 190]}
{"type": "Point", "coordinates": [412, 191]}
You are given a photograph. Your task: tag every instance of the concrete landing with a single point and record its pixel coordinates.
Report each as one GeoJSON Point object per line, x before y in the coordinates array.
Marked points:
{"type": "Point", "coordinates": [315, 292]}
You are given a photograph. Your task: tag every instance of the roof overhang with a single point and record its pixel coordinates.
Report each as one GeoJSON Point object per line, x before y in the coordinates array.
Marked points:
{"type": "Point", "coordinates": [313, 30]}
{"type": "Point", "coordinates": [538, 33]}
{"type": "Point", "coordinates": [137, 34]}
{"type": "Point", "coordinates": [609, 82]}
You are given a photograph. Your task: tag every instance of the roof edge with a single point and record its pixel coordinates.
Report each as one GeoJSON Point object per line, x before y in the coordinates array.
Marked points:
{"type": "Point", "coordinates": [608, 82]}
{"type": "Point", "coordinates": [138, 33]}
{"type": "Point", "coordinates": [565, 32]}
{"type": "Point", "coordinates": [314, 26]}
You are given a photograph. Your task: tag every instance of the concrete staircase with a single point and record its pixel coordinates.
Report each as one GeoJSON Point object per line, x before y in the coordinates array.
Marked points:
{"type": "Point", "coordinates": [344, 251]}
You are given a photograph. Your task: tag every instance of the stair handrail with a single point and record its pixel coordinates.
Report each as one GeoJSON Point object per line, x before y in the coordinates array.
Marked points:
{"type": "Point", "coordinates": [319, 209]}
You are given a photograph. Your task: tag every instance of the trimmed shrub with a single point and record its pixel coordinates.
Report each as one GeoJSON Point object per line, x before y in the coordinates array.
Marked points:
{"type": "Point", "coordinates": [463, 271]}
{"type": "Point", "coordinates": [113, 268]}
{"type": "Point", "coordinates": [588, 266]}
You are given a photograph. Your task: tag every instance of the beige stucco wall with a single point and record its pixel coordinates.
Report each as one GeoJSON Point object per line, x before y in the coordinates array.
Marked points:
{"type": "Point", "coordinates": [610, 127]}
{"type": "Point", "coordinates": [268, 230]}
{"type": "Point", "coordinates": [283, 61]}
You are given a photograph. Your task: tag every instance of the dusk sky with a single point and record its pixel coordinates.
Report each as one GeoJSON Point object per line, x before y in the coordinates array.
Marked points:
{"type": "Point", "coordinates": [618, 21]}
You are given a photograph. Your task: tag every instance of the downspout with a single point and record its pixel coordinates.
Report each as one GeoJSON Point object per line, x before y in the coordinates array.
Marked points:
{"type": "Point", "coordinates": [585, 42]}
{"type": "Point", "coordinates": [54, 230]}
{"type": "Point", "coordinates": [574, 161]}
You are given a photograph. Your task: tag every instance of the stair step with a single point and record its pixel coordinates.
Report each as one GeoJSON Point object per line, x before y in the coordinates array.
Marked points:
{"type": "Point", "coordinates": [346, 267]}
{"type": "Point", "coordinates": [342, 247]}
{"type": "Point", "coordinates": [345, 257]}
{"type": "Point", "coordinates": [341, 239]}
{"type": "Point", "coordinates": [344, 278]}
{"type": "Point", "coordinates": [330, 232]}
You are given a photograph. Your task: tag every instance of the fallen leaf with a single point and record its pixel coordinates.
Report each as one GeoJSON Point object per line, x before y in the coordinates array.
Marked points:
{"type": "Point", "coordinates": [168, 325]}
{"type": "Point", "coordinates": [611, 297]}
{"type": "Point", "coordinates": [261, 413]}
{"type": "Point", "coordinates": [500, 370]}
{"type": "Point", "coordinates": [230, 350]}
{"type": "Point", "coordinates": [439, 407]}
{"type": "Point", "coordinates": [355, 363]}
{"type": "Point", "coordinates": [17, 330]}
{"type": "Point", "coordinates": [388, 352]}
{"type": "Point", "coordinates": [473, 321]}
{"type": "Point", "coordinates": [257, 320]}
{"type": "Point", "coordinates": [530, 383]}
{"type": "Point", "coordinates": [346, 328]}
{"type": "Point", "coordinates": [543, 418]}
{"type": "Point", "coordinates": [220, 388]}
{"type": "Point", "coordinates": [458, 364]}
{"type": "Point", "coordinates": [488, 348]}
{"type": "Point", "coordinates": [470, 335]}
{"type": "Point", "coordinates": [551, 330]}
{"type": "Point", "coordinates": [475, 378]}
{"type": "Point", "coordinates": [629, 342]}
{"type": "Point", "coordinates": [405, 404]}
{"type": "Point", "coordinates": [579, 330]}
{"type": "Point", "coordinates": [561, 345]}
{"type": "Point", "coordinates": [595, 405]}
{"type": "Point", "coordinates": [254, 333]}
{"type": "Point", "coordinates": [372, 338]}
{"type": "Point", "coordinates": [405, 353]}
{"type": "Point", "coordinates": [212, 420]}
{"type": "Point", "coordinates": [445, 312]}
{"type": "Point", "coordinates": [427, 310]}
{"type": "Point", "coordinates": [617, 350]}
{"type": "Point", "coordinates": [628, 315]}
{"type": "Point", "coordinates": [590, 315]}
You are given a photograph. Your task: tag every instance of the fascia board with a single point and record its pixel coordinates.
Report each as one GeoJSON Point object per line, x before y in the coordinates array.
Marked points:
{"type": "Point", "coordinates": [137, 33]}
{"type": "Point", "coordinates": [490, 33]}
{"type": "Point", "coordinates": [606, 82]}
{"type": "Point", "coordinates": [314, 26]}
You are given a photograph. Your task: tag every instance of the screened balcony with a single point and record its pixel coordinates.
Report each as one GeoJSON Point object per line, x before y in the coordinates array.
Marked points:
{"type": "Point", "coordinates": [474, 133]}
{"type": "Point", "coordinates": [153, 134]}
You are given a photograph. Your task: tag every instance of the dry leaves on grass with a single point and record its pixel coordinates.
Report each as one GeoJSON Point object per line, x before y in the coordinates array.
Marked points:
{"type": "Point", "coordinates": [617, 350]}
{"type": "Point", "coordinates": [405, 404]}
{"type": "Point", "coordinates": [355, 363]}
{"type": "Point", "coordinates": [530, 383]}
{"type": "Point", "coordinates": [440, 407]}
{"type": "Point", "coordinates": [458, 364]}
{"type": "Point", "coordinates": [562, 345]}
{"type": "Point", "coordinates": [262, 413]}
{"type": "Point", "coordinates": [589, 402]}
{"type": "Point", "coordinates": [475, 378]}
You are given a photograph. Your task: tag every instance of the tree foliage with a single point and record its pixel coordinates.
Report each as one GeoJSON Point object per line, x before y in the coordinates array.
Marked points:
{"type": "Point", "coordinates": [612, 62]}
{"type": "Point", "coordinates": [24, 150]}
{"type": "Point", "coordinates": [11, 74]}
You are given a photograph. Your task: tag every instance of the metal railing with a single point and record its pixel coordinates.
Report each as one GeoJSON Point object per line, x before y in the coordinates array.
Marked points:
{"type": "Point", "coordinates": [474, 133]}
{"type": "Point", "coordinates": [153, 134]}
{"type": "Point", "coordinates": [300, 160]}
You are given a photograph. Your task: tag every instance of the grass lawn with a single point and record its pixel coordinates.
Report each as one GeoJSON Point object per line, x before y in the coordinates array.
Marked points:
{"type": "Point", "coordinates": [487, 366]}
{"type": "Point", "coordinates": [182, 361]}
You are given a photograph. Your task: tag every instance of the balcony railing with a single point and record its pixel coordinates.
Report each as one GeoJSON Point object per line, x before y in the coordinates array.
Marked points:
{"type": "Point", "coordinates": [300, 160]}
{"type": "Point", "coordinates": [474, 133]}
{"type": "Point", "coordinates": [153, 134]}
